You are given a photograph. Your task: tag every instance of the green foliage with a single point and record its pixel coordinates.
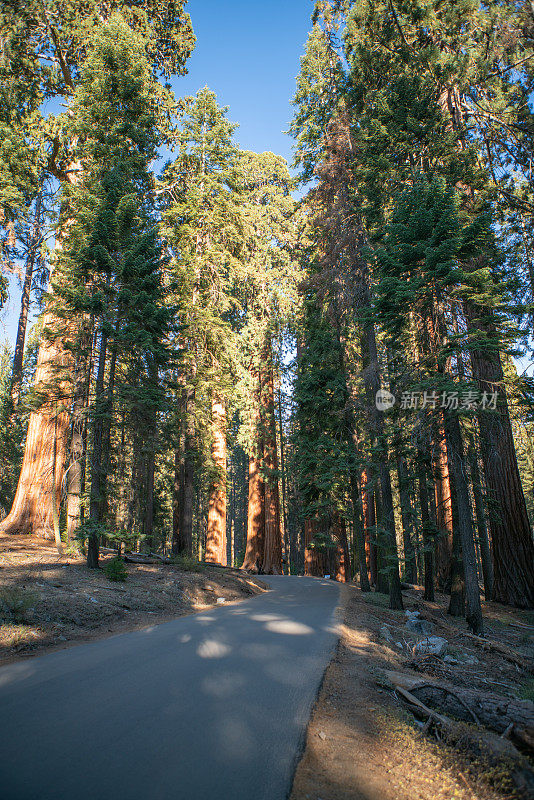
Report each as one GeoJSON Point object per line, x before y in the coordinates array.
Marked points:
{"type": "Point", "coordinates": [188, 563]}
{"type": "Point", "coordinates": [115, 570]}
{"type": "Point", "coordinates": [15, 602]}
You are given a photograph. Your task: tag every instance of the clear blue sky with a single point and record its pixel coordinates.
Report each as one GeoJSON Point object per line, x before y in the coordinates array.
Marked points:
{"type": "Point", "coordinates": [248, 53]}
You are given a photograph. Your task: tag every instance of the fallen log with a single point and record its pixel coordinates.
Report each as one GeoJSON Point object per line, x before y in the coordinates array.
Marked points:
{"type": "Point", "coordinates": [500, 714]}
{"type": "Point", "coordinates": [481, 743]}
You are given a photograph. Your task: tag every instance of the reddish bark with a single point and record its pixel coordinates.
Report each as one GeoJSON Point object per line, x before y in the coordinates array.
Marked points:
{"type": "Point", "coordinates": [272, 550]}
{"type": "Point", "coordinates": [443, 541]}
{"type": "Point", "coordinates": [216, 531]}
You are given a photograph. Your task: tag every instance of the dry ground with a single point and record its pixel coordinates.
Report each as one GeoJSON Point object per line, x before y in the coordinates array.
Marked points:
{"type": "Point", "coordinates": [363, 743]}
{"type": "Point", "coordinates": [58, 601]}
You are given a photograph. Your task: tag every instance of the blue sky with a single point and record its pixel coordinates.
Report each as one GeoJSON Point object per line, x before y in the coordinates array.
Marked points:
{"type": "Point", "coordinates": [248, 53]}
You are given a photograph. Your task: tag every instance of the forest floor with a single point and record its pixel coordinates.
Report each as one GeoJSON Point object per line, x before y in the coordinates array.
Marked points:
{"type": "Point", "coordinates": [363, 742]}
{"type": "Point", "coordinates": [48, 601]}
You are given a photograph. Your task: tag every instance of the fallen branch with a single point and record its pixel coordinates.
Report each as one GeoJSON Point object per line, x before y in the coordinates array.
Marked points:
{"type": "Point", "coordinates": [498, 713]}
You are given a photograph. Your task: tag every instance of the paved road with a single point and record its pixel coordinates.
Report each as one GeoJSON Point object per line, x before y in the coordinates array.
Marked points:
{"type": "Point", "coordinates": [207, 707]}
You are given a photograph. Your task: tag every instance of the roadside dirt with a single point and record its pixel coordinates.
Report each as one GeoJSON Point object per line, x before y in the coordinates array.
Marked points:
{"type": "Point", "coordinates": [49, 601]}
{"type": "Point", "coordinates": [363, 744]}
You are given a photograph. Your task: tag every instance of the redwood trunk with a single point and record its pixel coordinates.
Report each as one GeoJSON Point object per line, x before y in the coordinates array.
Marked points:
{"type": "Point", "coordinates": [272, 551]}
{"type": "Point", "coordinates": [255, 516]}
{"type": "Point", "coordinates": [443, 541]}
{"type": "Point", "coordinates": [216, 531]}
{"type": "Point", "coordinates": [513, 546]}
{"type": "Point", "coordinates": [43, 466]}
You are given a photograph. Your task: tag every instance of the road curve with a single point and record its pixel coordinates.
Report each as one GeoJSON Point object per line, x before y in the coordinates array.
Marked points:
{"type": "Point", "coordinates": [207, 707]}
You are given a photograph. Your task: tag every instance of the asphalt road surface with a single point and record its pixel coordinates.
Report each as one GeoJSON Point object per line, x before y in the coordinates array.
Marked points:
{"type": "Point", "coordinates": [212, 706]}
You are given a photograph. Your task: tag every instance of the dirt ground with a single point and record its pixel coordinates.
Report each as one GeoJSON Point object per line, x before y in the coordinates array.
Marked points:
{"type": "Point", "coordinates": [362, 741]}
{"type": "Point", "coordinates": [48, 601]}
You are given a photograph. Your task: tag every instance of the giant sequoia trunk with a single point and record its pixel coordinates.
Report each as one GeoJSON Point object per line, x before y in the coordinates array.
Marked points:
{"type": "Point", "coordinates": [38, 495]}
{"type": "Point", "coordinates": [41, 477]}
{"type": "Point", "coordinates": [272, 549]}
{"type": "Point", "coordinates": [216, 532]}
{"type": "Point", "coordinates": [255, 516]}
{"type": "Point", "coordinates": [443, 541]}
{"type": "Point", "coordinates": [513, 546]}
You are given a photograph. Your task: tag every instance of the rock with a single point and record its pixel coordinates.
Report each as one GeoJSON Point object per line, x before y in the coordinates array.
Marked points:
{"type": "Point", "coordinates": [421, 626]}
{"type": "Point", "coordinates": [412, 614]}
{"type": "Point", "coordinates": [322, 735]}
{"type": "Point", "coordinates": [221, 600]}
{"type": "Point", "coordinates": [467, 660]}
{"type": "Point", "coordinates": [385, 633]}
{"type": "Point", "coordinates": [432, 645]}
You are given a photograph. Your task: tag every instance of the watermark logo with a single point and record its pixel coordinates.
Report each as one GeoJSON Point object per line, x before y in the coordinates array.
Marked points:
{"type": "Point", "coordinates": [471, 400]}
{"type": "Point", "coordinates": [384, 400]}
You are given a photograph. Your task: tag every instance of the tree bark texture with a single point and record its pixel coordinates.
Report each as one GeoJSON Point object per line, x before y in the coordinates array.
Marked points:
{"type": "Point", "coordinates": [216, 531]}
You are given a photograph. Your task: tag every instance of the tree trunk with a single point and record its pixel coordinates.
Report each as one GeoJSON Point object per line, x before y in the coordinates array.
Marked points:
{"type": "Point", "coordinates": [342, 560]}
{"type": "Point", "coordinates": [255, 516]}
{"type": "Point", "coordinates": [272, 550]}
{"type": "Point", "coordinates": [465, 531]}
{"type": "Point", "coordinates": [188, 483]}
{"type": "Point", "coordinates": [95, 500]}
{"type": "Point", "coordinates": [371, 377]}
{"type": "Point", "coordinates": [43, 466]}
{"type": "Point", "coordinates": [443, 540]}
{"type": "Point", "coordinates": [513, 545]}
{"type": "Point", "coordinates": [410, 567]}
{"type": "Point", "coordinates": [483, 538]}
{"type": "Point", "coordinates": [369, 522]}
{"type": "Point", "coordinates": [38, 494]}
{"type": "Point", "coordinates": [428, 538]}
{"type": "Point", "coordinates": [216, 532]}
{"type": "Point", "coordinates": [18, 358]}
{"type": "Point", "coordinates": [78, 443]}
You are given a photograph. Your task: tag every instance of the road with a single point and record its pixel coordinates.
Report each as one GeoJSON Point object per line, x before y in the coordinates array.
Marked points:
{"type": "Point", "coordinates": [211, 706]}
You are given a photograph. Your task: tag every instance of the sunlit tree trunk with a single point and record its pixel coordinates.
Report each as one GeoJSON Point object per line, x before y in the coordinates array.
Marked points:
{"type": "Point", "coordinates": [255, 516]}
{"type": "Point", "coordinates": [39, 488]}
{"type": "Point", "coordinates": [272, 549]}
{"type": "Point", "coordinates": [216, 531]}
{"type": "Point", "coordinates": [443, 541]}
